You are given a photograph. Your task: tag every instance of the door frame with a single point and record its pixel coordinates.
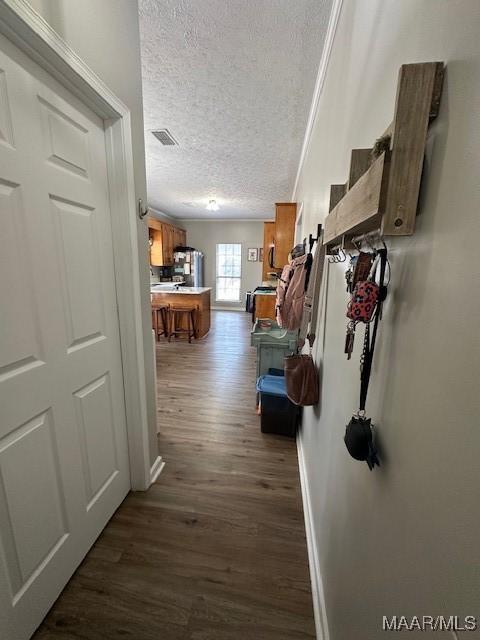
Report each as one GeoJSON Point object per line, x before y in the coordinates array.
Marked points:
{"type": "Point", "coordinates": [21, 24]}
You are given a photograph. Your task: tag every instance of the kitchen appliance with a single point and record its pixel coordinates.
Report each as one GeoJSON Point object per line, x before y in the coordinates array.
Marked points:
{"type": "Point", "coordinates": [160, 274]}
{"type": "Point", "coordinates": [188, 262]}
{"type": "Point", "coordinates": [249, 302]}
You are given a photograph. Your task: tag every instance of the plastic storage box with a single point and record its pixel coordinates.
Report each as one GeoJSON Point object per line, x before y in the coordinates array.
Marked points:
{"type": "Point", "coordinates": [278, 414]}
{"type": "Point", "coordinates": [273, 344]}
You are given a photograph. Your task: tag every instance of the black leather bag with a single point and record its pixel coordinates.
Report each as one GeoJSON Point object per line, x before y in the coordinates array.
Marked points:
{"type": "Point", "coordinates": [359, 441]}
{"type": "Point", "coordinates": [359, 437]}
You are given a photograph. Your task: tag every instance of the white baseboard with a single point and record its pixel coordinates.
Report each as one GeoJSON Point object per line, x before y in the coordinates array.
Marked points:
{"type": "Point", "coordinates": [219, 308]}
{"type": "Point", "coordinates": [318, 596]}
{"type": "Point", "coordinates": [156, 469]}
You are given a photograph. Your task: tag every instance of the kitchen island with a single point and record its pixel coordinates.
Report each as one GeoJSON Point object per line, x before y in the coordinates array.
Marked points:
{"type": "Point", "coordinates": [180, 296]}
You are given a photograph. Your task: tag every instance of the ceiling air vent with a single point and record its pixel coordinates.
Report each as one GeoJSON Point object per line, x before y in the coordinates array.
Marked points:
{"type": "Point", "coordinates": [165, 137]}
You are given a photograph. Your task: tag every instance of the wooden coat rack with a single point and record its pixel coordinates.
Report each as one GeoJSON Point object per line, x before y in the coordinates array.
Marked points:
{"type": "Point", "coordinates": [382, 193]}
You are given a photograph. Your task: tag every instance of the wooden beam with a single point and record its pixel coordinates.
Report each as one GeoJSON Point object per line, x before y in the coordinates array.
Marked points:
{"type": "Point", "coordinates": [418, 98]}
{"type": "Point", "coordinates": [337, 191]}
{"type": "Point", "coordinates": [360, 210]}
{"type": "Point", "coordinates": [360, 161]}
{"type": "Point", "coordinates": [437, 90]}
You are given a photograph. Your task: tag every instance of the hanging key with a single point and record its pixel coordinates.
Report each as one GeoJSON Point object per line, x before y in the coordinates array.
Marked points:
{"type": "Point", "coordinates": [349, 279]}
{"type": "Point", "coordinates": [349, 339]}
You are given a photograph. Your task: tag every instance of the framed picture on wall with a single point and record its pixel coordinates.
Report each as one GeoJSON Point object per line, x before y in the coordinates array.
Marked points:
{"type": "Point", "coordinates": [260, 254]}
{"type": "Point", "coordinates": [252, 255]}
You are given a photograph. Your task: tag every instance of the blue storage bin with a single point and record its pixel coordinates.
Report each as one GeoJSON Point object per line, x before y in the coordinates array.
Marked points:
{"type": "Point", "coordinates": [274, 385]}
{"type": "Point", "coordinates": [278, 414]}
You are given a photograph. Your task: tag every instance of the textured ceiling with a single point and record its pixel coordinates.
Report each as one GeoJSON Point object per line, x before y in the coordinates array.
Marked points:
{"type": "Point", "coordinates": [232, 80]}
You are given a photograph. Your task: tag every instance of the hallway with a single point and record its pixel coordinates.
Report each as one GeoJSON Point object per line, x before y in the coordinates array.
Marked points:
{"type": "Point", "coordinates": [215, 550]}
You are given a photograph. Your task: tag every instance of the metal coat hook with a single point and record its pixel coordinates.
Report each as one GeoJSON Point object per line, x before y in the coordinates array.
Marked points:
{"type": "Point", "coordinates": [339, 256]}
{"type": "Point", "coordinates": [371, 239]}
{"type": "Point", "coordinates": [312, 240]}
{"type": "Point", "coordinates": [338, 253]}
{"type": "Point", "coordinates": [141, 211]}
{"type": "Point", "coordinates": [356, 244]}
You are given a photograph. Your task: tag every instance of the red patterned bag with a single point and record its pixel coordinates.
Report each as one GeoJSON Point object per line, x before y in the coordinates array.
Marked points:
{"type": "Point", "coordinates": [363, 302]}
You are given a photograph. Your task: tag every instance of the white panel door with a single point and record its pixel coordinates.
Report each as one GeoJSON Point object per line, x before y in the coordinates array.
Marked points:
{"type": "Point", "coordinates": [63, 450]}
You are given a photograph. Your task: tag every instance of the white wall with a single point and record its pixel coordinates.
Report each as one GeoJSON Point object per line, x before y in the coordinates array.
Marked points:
{"type": "Point", "coordinates": [106, 36]}
{"type": "Point", "coordinates": [404, 538]}
{"type": "Point", "coordinates": [205, 235]}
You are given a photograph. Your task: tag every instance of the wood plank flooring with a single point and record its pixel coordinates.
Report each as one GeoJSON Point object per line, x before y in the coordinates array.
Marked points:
{"type": "Point", "coordinates": [215, 550]}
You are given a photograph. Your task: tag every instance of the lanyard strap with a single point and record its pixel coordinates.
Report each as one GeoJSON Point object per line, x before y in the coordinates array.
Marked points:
{"type": "Point", "coordinates": [312, 296]}
{"type": "Point", "coordinates": [369, 345]}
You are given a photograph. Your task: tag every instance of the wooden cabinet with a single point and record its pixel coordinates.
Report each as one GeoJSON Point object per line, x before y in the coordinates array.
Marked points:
{"type": "Point", "coordinates": [285, 217]}
{"type": "Point", "coordinates": [156, 246]}
{"type": "Point", "coordinates": [164, 237]}
{"type": "Point", "coordinates": [179, 237]}
{"type": "Point", "coordinates": [278, 238]}
{"type": "Point", "coordinates": [265, 306]}
{"type": "Point", "coordinates": [268, 248]}
{"type": "Point", "coordinates": [168, 234]}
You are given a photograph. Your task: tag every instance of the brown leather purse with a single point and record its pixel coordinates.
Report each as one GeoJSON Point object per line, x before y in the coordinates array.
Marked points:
{"type": "Point", "coordinates": [301, 379]}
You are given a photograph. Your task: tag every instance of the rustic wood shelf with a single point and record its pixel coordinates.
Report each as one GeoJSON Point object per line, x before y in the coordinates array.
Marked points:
{"type": "Point", "coordinates": [382, 194]}
{"type": "Point", "coordinates": [360, 209]}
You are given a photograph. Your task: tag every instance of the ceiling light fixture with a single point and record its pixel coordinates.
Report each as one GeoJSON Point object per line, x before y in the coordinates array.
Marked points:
{"type": "Point", "coordinates": [212, 205]}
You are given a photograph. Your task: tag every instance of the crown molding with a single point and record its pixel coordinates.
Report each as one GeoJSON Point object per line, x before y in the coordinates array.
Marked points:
{"type": "Point", "coordinates": [226, 220]}
{"type": "Point", "coordinates": [161, 215]}
{"type": "Point", "coordinates": [31, 32]}
{"type": "Point", "coordinates": [319, 83]}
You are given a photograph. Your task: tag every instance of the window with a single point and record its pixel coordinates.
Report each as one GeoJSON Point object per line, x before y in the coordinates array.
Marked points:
{"type": "Point", "coordinates": [229, 271]}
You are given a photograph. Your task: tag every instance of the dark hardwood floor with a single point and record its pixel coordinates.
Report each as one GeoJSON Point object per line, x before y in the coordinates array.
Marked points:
{"type": "Point", "coordinates": [215, 549]}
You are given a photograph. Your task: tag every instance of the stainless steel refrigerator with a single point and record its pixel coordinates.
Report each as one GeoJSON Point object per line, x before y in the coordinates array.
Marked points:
{"type": "Point", "coordinates": [188, 262]}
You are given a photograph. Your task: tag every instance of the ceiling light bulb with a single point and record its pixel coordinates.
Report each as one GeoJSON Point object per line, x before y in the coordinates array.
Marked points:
{"type": "Point", "coordinates": [213, 206]}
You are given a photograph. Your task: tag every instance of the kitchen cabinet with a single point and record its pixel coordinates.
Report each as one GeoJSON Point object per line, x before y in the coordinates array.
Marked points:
{"type": "Point", "coordinates": [285, 217]}
{"type": "Point", "coordinates": [278, 238]}
{"type": "Point", "coordinates": [179, 237]}
{"type": "Point", "coordinates": [168, 235]}
{"type": "Point", "coordinates": [164, 237]}
{"type": "Point", "coordinates": [268, 248]}
{"type": "Point", "coordinates": [156, 246]}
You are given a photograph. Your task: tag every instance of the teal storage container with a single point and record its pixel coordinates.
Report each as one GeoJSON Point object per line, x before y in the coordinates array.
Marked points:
{"type": "Point", "coordinates": [273, 343]}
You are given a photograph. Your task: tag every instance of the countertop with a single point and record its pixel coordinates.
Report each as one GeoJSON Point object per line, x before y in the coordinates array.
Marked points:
{"type": "Point", "coordinates": [155, 288]}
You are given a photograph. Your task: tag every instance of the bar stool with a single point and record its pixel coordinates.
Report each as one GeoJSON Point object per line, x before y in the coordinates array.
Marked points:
{"type": "Point", "coordinates": [178, 316]}
{"type": "Point", "coordinates": [160, 320]}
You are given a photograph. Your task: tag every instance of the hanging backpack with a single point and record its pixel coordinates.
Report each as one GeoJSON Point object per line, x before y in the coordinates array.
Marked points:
{"type": "Point", "coordinates": [291, 292]}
